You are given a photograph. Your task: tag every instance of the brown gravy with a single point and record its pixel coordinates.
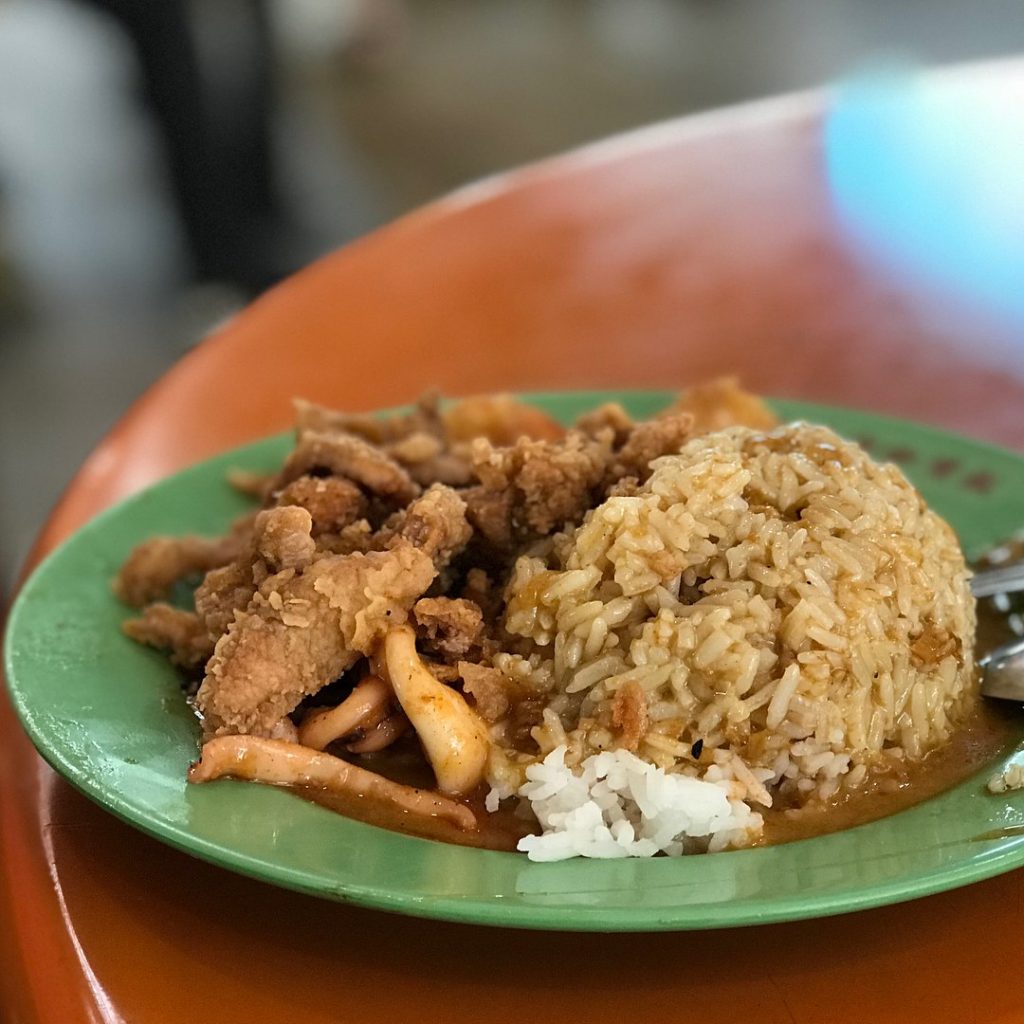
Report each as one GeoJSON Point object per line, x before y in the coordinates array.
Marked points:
{"type": "Point", "coordinates": [989, 730]}
{"type": "Point", "coordinates": [991, 727]}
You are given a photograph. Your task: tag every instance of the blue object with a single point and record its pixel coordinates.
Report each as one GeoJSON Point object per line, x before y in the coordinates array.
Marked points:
{"type": "Point", "coordinates": [927, 172]}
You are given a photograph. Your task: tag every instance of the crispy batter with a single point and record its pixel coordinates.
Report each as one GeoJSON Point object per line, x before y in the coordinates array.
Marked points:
{"type": "Point", "coordinates": [416, 449]}
{"type": "Point", "coordinates": [722, 403]}
{"type": "Point", "coordinates": [442, 672]}
{"type": "Point", "coordinates": [450, 466]}
{"type": "Point", "coordinates": [424, 417]}
{"type": "Point", "coordinates": [431, 445]}
{"type": "Point", "coordinates": [533, 487]}
{"type": "Point", "coordinates": [492, 691]}
{"type": "Point", "coordinates": [180, 632]}
{"type": "Point", "coordinates": [255, 485]}
{"type": "Point", "coordinates": [610, 416]}
{"type": "Point", "coordinates": [648, 441]}
{"type": "Point", "coordinates": [294, 640]}
{"type": "Point", "coordinates": [298, 632]}
{"type": "Point", "coordinates": [629, 714]}
{"type": "Point", "coordinates": [501, 419]}
{"type": "Point", "coordinates": [357, 536]}
{"type": "Point", "coordinates": [450, 627]}
{"type": "Point", "coordinates": [490, 512]}
{"type": "Point", "coordinates": [332, 501]}
{"type": "Point", "coordinates": [155, 565]}
{"type": "Point", "coordinates": [436, 523]}
{"type": "Point", "coordinates": [484, 593]}
{"type": "Point", "coordinates": [352, 458]}
{"type": "Point", "coordinates": [556, 483]}
{"type": "Point", "coordinates": [416, 440]}
{"type": "Point", "coordinates": [224, 590]}
{"type": "Point", "coordinates": [282, 536]}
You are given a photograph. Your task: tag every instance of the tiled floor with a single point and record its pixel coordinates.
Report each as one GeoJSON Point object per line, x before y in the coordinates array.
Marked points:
{"type": "Point", "coordinates": [459, 89]}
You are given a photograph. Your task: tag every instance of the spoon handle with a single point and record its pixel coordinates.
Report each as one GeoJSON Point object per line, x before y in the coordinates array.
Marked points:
{"type": "Point", "coordinates": [1007, 579]}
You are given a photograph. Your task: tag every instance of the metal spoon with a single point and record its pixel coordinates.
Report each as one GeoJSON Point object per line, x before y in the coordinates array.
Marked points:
{"type": "Point", "coordinates": [1002, 671]}
{"type": "Point", "coordinates": [1007, 579]}
{"type": "Point", "coordinates": [1003, 667]}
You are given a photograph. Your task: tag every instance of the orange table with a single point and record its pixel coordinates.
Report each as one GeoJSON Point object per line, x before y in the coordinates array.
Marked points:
{"type": "Point", "coordinates": [698, 247]}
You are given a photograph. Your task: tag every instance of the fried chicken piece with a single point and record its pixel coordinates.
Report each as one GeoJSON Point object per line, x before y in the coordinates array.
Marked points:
{"type": "Point", "coordinates": [332, 501]}
{"type": "Point", "coordinates": [436, 523]}
{"type": "Point", "coordinates": [504, 702]}
{"type": "Point", "coordinates": [610, 416]}
{"type": "Point", "coordinates": [443, 672]}
{"type": "Point", "coordinates": [416, 449]}
{"type": "Point", "coordinates": [533, 487]}
{"type": "Point", "coordinates": [722, 403]}
{"type": "Point", "coordinates": [254, 485]}
{"type": "Point", "coordinates": [484, 593]}
{"type": "Point", "coordinates": [431, 445]}
{"type": "Point", "coordinates": [490, 513]}
{"type": "Point", "coordinates": [180, 632]}
{"type": "Point", "coordinates": [492, 691]}
{"type": "Point", "coordinates": [155, 565]}
{"type": "Point", "coordinates": [357, 536]}
{"type": "Point", "coordinates": [429, 461]}
{"type": "Point", "coordinates": [501, 419]}
{"type": "Point", "coordinates": [423, 418]}
{"type": "Point", "coordinates": [294, 634]}
{"type": "Point", "coordinates": [629, 714]}
{"type": "Point", "coordinates": [416, 440]}
{"type": "Point", "coordinates": [282, 537]}
{"type": "Point", "coordinates": [648, 441]}
{"type": "Point", "coordinates": [449, 627]}
{"type": "Point", "coordinates": [293, 640]}
{"type": "Point", "coordinates": [223, 591]}
{"type": "Point", "coordinates": [352, 458]}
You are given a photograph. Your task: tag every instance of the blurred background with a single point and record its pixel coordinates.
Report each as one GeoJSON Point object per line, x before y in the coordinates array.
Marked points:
{"type": "Point", "coordinates": [162, 162]}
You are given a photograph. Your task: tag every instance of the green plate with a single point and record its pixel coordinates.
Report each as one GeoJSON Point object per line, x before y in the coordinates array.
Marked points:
{"type": "Point", "coordinates": [109, 716]}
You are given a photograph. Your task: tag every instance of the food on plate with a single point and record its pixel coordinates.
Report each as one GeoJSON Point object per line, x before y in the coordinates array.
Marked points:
{"type": "Point", "coordinates": [278, 761]}
{"type": "Point", "coordinates": [695, 632]}
{"type": "Point", "coordinates": [771, 610]}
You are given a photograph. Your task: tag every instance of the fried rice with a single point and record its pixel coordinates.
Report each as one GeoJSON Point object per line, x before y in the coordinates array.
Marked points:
{"type": "Point", "coordinates": [775, 612]}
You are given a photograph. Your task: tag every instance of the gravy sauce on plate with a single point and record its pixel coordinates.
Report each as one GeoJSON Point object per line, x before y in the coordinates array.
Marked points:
{"type": "Point", "coordinates": [989, 729]}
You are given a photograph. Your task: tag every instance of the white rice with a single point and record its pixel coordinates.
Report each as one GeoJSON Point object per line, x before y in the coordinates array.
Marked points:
{"type": "Point", "coordinates": [617, 805]}
{"type": "Point", "coordinates": [1011, 777]}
